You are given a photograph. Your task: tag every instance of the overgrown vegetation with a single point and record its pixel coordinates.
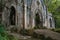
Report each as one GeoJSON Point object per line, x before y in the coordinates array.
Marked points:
{"type": "Point", "coordinates": [27, 32]}
{"type": "Point", "coordinates": [4, 35]}
{"type": "Point", "coordinates": [56, 30]}
{"type": "Point", "coordinates": [53, 6]}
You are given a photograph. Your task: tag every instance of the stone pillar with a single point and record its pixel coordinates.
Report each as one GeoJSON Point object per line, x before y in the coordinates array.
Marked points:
{"type": "Point", "coordinates": [25, 16]}
{"type": "Point", "coordinates": [33, 20]}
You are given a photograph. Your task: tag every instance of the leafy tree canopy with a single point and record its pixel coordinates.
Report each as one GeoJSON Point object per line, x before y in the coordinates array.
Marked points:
{"type": "Point", "coordinates": [53, 6]}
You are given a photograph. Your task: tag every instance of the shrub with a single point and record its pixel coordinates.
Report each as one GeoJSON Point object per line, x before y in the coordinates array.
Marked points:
{"type": "Point", "coordinates": [4, 35]}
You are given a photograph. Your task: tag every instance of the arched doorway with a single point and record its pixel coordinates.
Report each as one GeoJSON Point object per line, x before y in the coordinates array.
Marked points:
{"type": "Point", "coordinates": [12, 16]}
{"type": "Point", "coordinates": [37, 20]}
{"type": "Point", "coordinates": [50, 22]}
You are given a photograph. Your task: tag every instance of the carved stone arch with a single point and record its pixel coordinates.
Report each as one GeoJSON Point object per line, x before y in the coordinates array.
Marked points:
{"type": "Point", "coordinates": [13, 5]}
{"type": "Point", "coordinates": [39, 12]}
{"type": "Point", "coordinates": [38, 3]}
{"type": "Point", "coordinates": [38, 18]}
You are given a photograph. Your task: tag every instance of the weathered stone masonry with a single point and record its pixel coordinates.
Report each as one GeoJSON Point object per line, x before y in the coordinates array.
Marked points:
{"type": "Point", "coordinates": [23, 14]}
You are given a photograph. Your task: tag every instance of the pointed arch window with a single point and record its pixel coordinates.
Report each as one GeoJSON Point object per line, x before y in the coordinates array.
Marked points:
{"type": "Point", "coordinates": [12, 16]}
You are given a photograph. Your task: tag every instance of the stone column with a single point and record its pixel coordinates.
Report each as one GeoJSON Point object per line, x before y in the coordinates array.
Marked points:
{"type": "Point", "coordinates": [33, 20]}
{"type": "Point", "coordinates": [25, 16]}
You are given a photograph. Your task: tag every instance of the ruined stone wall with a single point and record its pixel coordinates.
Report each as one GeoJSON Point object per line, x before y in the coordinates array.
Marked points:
{"type": "Point", "coordinates": [22, 15]}
{"type": "Point", "coordinates": [36, 8]}
{"type": "Point", "coordinates": [6, 12]}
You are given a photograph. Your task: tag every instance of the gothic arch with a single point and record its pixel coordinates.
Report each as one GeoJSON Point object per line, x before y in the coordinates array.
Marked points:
{"type": "Point", "coordinates": [50, 22]}
{"type": "Point", "coordinates": [12, 17]}
{"type": "Point", "coordinates": [38, 18]}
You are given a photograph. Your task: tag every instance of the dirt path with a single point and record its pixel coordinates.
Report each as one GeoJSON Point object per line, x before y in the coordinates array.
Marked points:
{"type": "Point", "coordinates": [21, 37]}
{"type": "Point", "coordinates": [48, 33]}
{"type": "Point", "coordinates": [45, 32]}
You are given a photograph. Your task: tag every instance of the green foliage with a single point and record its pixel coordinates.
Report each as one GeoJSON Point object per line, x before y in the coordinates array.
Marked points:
{"type": "Point", "coordinates": [53, 6]}
{"type": "Point", "coordinates": [4, 35]}
{"type": "Point", "coordinates": [2, 28]}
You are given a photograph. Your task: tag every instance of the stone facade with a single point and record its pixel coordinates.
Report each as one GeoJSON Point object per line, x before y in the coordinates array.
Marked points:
{"type": "Point", "coordinates": [23, 14]}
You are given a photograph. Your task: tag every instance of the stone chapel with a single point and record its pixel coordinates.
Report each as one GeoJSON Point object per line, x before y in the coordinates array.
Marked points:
{"type": "Point", "coordinates": [26, 14]}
